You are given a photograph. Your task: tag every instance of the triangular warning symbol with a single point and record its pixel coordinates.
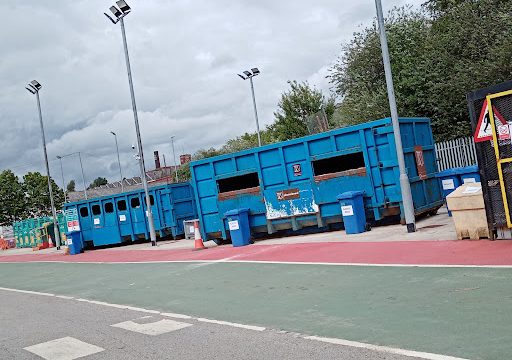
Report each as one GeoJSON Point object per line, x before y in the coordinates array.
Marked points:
{"type": "Point", "coordinates": [484, 129]}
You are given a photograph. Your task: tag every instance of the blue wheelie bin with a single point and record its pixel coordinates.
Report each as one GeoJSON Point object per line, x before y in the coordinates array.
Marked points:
{"type": "Point", "coordinates": [75, 243]}
{"type": "Point", "coordinates": [238, 223]}
{"type": "Point", "coordinates": [450, 180]}
{"type": "Point", "coordinates": [352, 209]}
{"type": "Point", "coordinates": [469, 174]}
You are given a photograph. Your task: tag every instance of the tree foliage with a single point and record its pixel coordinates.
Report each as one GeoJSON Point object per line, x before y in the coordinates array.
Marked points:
{"type": "Point", "coordinates": [99, 181]}
{"type": "Point", "coordinates": [295, 106]}
{"type": "Point", "coordinates": [438, 55]}
{"type": "Point", "coordinates": [38, 198]}
{"type": "Point", "coordinates": [13, 202]}
{"type": "Point", "coordinates": [71, 186]}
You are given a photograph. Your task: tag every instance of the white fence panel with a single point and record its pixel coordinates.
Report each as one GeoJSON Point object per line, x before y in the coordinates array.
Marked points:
{"type": "Point", "coordinates": [456, 153]}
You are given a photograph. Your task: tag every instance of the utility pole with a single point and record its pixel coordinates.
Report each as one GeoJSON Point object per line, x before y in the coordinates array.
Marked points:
{"type": "Point", "coordinates": [405, 185]}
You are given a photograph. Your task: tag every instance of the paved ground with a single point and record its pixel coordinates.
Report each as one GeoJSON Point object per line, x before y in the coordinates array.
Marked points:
{"type": "Point", "coordinates": [110, 333]}
{"type": "Point", "coordinates": [462, 312]}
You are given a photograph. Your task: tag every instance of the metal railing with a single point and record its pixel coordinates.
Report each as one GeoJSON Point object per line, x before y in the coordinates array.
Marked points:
{"type": "Point", "coordinates": [456, 153]}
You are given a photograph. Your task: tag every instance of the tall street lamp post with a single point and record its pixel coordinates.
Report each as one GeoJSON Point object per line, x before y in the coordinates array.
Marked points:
{"type": "Point", "coordinates": [81, 169]}
{"type": "Point", "coordinates": [405, 186]}
{"type": "Point", "coordinates": [33, 87]}
{"type": "Point", "coordinates": [119, 13]}
{"type": "Point", "coordinates": [119, 161]}
{"type": "Point", "coordinates": [174, 156]}
{"type": "Point", "coordinates": [249, 75]}
{"type": "Point", "coordinates": [63, 182]}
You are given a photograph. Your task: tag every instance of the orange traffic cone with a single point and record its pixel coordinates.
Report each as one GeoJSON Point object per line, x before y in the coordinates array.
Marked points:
{"type": "Point", "coordinates": [50, 242]}
{"type": "Point", "coordinates": [198, 242]}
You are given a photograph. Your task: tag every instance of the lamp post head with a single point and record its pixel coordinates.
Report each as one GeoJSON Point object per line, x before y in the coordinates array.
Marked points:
{"type": "Point", "coordinates": [59, 157]}
{"type": "Point", "coordinates": [250, 74]}
{"type": "Point", "coordinates": [33, 87]}
{"type": "Point", "coordinates": [113, 133]}
{"type": "Point", "coordinates": [118, 12]}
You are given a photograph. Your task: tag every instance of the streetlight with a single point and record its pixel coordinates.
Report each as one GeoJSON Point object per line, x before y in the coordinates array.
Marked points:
{"type": "Point", "coordinates": [81, 168]}
{"type": "Point", "coordinates": [405, 186]}
{"type": "Point", "coordinates": [119, 13]}
{"type": "Point", "coordinates": [33, 87]}
{"type": "Point", "coordinates": [119, 161]}
{"type": "Point", "coordinates": [174, 156]}
{"type": "Point", "coordinates": [62, 173]}
{"type": "Point", "coordinates": [249, 75]}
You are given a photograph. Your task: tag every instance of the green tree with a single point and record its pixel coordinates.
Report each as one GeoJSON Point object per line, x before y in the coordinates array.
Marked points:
{"type": "Point", "coordinates": [99, 181]}
{"type": "Point", "coordinates": [38, 198]}
{"type": "Point", "coordinates": [71, 186]}
{"type": "Point", "coordinates": [13, 204]}
{"type": "Point", "coordinates": [295, 105]}
{"type": "Point", "coordinates": [438, 55]}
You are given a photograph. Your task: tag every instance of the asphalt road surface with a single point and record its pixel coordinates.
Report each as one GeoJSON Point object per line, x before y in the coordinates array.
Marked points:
{"type": "Point", "coordinates": [35, 327]}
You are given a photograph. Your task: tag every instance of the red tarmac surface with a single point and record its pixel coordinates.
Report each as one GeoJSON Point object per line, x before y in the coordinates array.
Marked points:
{"type": "Point", "coordinates": [400, 252]}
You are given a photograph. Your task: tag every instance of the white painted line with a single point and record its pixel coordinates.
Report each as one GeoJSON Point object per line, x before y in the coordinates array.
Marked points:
{"type": "Point", "coordinates": [242, 326]}
{"type": "Point", "coordinates": [342, 342]}
{"type": "Point", "coordinates": [385, 349]}
{"type": "Point", "coordinates": [177, 316]}
{"type": "Point", "coordinates": [155, 328]}
{"type": "Point", "coordinates": [66, 348]}
{"type": "Point", "coordinates": [226, 261]}
{"type": "Point", "coordinates": [65, 297]}
{"type": "Point", "coordinates": [27, 292]}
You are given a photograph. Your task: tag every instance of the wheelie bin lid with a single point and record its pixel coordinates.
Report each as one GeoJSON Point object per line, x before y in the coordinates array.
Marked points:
{"type": "Point", "coordinates": [236, 211]}
{"type": "Point", "coordinates": [349, 195]}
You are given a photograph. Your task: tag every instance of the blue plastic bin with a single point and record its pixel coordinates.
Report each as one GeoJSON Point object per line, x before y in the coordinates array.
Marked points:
{"type": "Point", "coordinates": [238, 224]}
{"type": "Point", "coordinates": [469, 174]}
{"type": "Point", "coordinates": [450, 180]}
{"type": "Point", "coordinates": [75, 245]}
{"type": "Point", "coordinates": [352, 209]}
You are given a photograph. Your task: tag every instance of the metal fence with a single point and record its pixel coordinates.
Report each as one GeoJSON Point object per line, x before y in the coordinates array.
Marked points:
{"type": "Point", "coordinates": [456, 153]}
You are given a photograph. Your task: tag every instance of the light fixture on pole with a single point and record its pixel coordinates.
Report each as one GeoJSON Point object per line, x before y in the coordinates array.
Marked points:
{"type": "Point", "coordinates": [174, 156]}
{"type": "Point", "coordinates": [33, 87]}
{"type": "Point", "coordinates": [81, 168]}
{"type": "Point", "coordinates": [119, 162]}
{"type": "Point", "coordinates": [249, 75]}
{"type": "Point", "coordinates": [63, 182]}
{"type": "Point", "coordinates": [119, 13]}
{"type": "Point", "coordinates": [405, 185]}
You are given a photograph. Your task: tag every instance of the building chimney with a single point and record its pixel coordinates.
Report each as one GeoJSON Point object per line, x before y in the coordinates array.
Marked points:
{"type": "Point", "coordinates": [157, 160]}
{"type": "Point", "coordinates": [185, 158]}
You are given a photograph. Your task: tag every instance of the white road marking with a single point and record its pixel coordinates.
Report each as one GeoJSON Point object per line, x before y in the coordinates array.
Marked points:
{"type": "Point", "coordinates": [242, 326]}
{"type": "Point", "coordinates": [227, 261]}
{"type": "Point", "coordinates": [27, 292]}
{"type": "Point", "coordinates": [66, 348]}
{"type": "Point", "coordinates": [385, 349]}
{"type": "Point", "coordinates": [155, 328]}
{"type": "Point", "coordinates": [65, 297]}
{"type": "Point", "coordinates": [177, 316]}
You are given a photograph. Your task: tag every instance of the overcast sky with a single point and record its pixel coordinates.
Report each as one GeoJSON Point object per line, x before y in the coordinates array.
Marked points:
{"type": "Point", "coordinates": [185, 55]}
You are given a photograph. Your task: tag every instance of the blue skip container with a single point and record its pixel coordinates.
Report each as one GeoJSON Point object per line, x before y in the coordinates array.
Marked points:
{"type": "Point", "coordinates": [74, 240]}
{"type": "Point", "coordinates": [469, 174]}
{"type": "Point", "coordinates": [352, 210]}
{"type": "Point", "coordinates": [238, 223]}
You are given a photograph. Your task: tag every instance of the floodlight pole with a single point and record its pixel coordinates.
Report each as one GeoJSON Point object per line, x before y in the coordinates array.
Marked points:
{"type": "Point", "coordinates": [174, 156]}
{"type": "Point", "coordinates": [152, 232]}
{"type": "Point", "coordinates": [63, 182]}
{"type": "Point", "coordinates": [50, 190]}
{"type": "Point", "coordinates": [119, 161]}
{"type": "Point", "coordinates": [405, 185]}
{"type": "Point", "coordinates": [255, 111]}
{"type": "Point", "coordinates": [83, 176]}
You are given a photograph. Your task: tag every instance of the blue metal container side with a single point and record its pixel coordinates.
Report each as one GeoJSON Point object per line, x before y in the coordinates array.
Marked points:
{"type": "Point", "coordinates": [119, 218]}
{"type": "Point", "coordinates": [294, 184]}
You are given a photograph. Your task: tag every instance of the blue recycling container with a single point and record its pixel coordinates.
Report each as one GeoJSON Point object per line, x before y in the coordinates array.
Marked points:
{"type": "Point", "coordinates": [450, 180]}
{"type": "Point", "coordinates": [352, 210]}
{"type": "Point", "coordinates": [238, 224]}
{"type": "Point", "coordinates": [469, 174]}
{"type": "Point", "coordinates": [75, 244]}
